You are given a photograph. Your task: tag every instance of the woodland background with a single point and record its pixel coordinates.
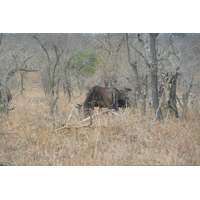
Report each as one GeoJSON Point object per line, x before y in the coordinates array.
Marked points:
{"type": "Point", "coordinates": [49, 73]}
{"type": "Point", "coordinates": [98, 182]}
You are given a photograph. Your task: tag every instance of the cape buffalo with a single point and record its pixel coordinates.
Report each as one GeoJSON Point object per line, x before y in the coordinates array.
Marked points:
{"type": "Point", "coordinates": [104, 97]}
{"type": "Point", "coordinates": [124, 100]}
{"type": "Point", "coordinates": [100, 97]}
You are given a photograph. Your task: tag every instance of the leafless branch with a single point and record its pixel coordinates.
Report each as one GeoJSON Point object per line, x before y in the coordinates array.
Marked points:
{"type": "Point", "coordinates": [103, 46]}
{"type": "Point", "coordinates": [140, 53]}
{"type": "Point", "coordinates": [45, 50]}
{"type": "Point", "coordinates": [122, 41]}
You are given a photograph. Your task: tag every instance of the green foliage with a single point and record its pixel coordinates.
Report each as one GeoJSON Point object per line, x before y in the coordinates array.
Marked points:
{"type": "Point", "coordinates": [84, 61]}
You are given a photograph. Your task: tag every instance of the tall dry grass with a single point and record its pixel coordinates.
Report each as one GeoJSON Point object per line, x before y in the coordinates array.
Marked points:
{"type": "Point", "coordinates": [29, 136]}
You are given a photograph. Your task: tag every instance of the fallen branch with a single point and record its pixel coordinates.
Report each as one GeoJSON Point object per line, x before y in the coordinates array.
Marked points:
{"type": "Point", "coordinates": [96, 115]}
{"type": "Point", "coordinates": [86, 120]}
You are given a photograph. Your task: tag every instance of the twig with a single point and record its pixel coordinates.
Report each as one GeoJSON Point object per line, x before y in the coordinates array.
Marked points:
{"type": "Point", "coordinates": [70, 115]}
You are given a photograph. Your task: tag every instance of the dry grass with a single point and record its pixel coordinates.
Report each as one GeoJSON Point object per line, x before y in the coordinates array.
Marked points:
{"type": "Point", "coordinates": [30, 137]}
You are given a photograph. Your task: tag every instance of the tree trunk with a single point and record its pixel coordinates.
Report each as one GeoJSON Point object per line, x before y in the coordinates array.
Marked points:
{"type": "Point", "coordinates": [172, 95]}
{"type": "Point", "coordinates": [185, 96]}
{"type": "Point", "coordinates": [136, 78]}
{"type": "Point", "coordinates": [67, 83]}
{"type": "Point", "coordinates": [22, 76]}
{"type": "Point", "coordinates": [154, 77]}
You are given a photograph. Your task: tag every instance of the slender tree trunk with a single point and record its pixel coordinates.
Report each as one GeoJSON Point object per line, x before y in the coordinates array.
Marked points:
{"type": "Point", "coordinates": [134, 67]}
{"type": "Point", "coordinates": [154, 77]}
{"type": "Point", "coordinates": [172, 94]}
{"type": "Point", "coordinates": [136, 78]}
{"type": "Point", "coordinates": [22, 75]}
{"type": "Point", "coordinates": [144, 96]}
{"type": "Point", "coordinates": [68, 87]}
{"type": "Point", "coordinates": [185, 96]}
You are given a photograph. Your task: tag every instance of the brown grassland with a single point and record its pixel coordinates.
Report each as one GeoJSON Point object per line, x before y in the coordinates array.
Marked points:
{"type": "Point", "coordinates": [29, 137]}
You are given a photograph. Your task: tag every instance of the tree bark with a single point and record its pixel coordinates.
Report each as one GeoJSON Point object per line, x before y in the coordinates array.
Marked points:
{"type": "Point", "coordinates": [172, 94]}
{"type": "Point", "coordinates": [154, 77]}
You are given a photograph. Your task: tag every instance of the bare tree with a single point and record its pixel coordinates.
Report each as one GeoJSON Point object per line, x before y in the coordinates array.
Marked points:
{"type": "Point", "coordinates": [183, 54]}
{"type": "Point", "coordinates": [148, 53]}
{"type": "Point", "coordinates": [20, 65]}
{"type": "Point", "coordinates": [110, 49]}
{"type": "Point", "coordinates": [67, 79]}
{"type": "Point", "coordinates": [14, 61]}
{"type": "Point", "coordinates": [136, 78]}
{"type": "Point", "coordinates": [50, 80]}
